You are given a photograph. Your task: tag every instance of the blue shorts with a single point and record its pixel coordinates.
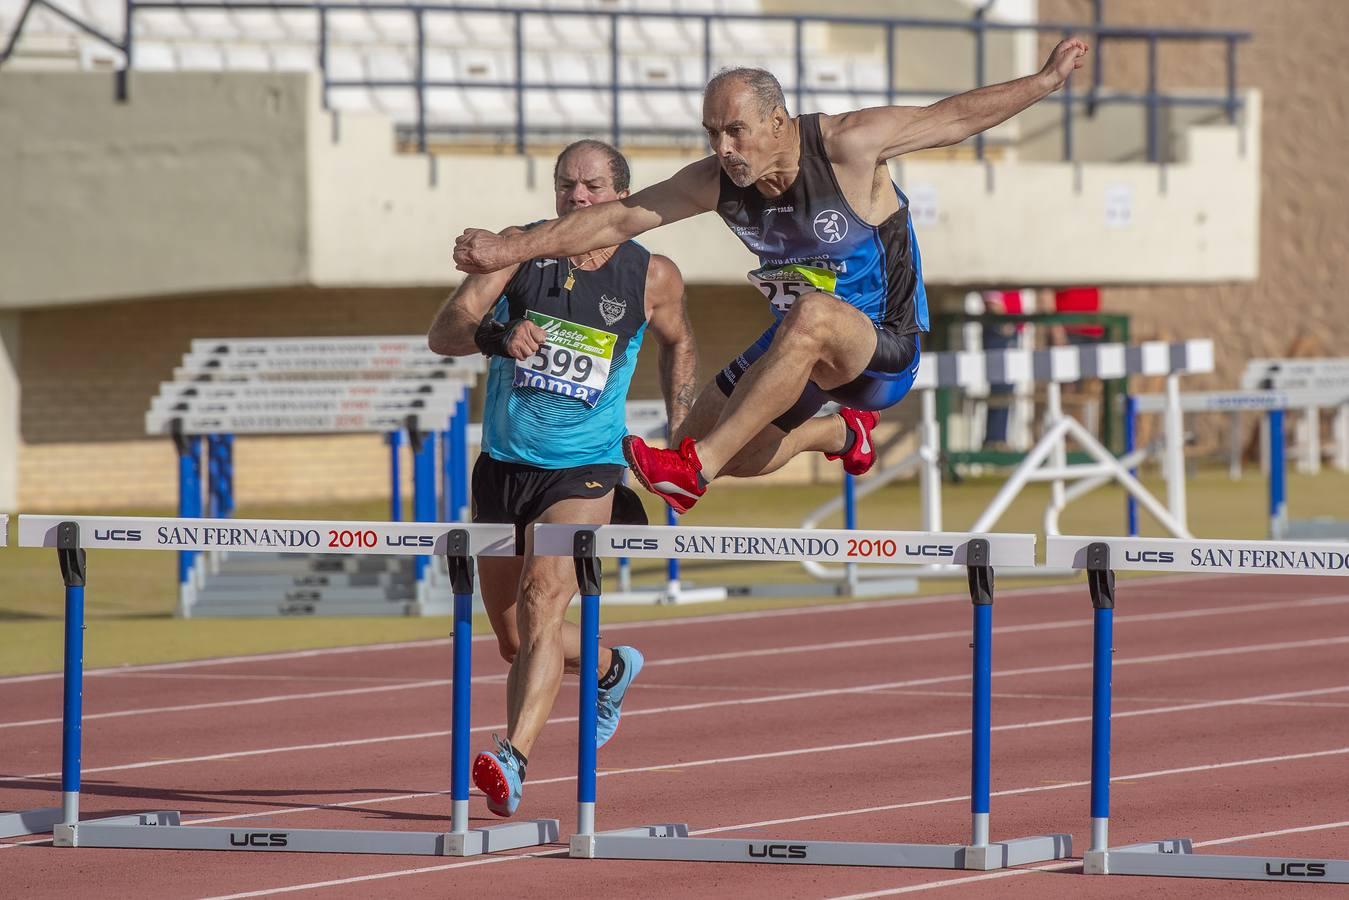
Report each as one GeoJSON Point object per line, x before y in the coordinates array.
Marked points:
{"type": "Point", "coordinates": [885, 381]}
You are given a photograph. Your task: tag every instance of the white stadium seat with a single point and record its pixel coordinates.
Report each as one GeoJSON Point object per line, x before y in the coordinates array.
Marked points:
{"type": "Point", "coordinates": [247, 57]}
{"type": "Point", "coordinates": [491, 106]}
{"type": "Point", "coordinates": [447, 106]}
{"type": "Point", "coordinates": [293, 57]}
{"type": "Point", "coordinates": [399, 104]}
{"type": "Point", "coordinates": [346, 64]}
{"type": "Point", "coordinates": [200, 56]}
{"type": "Point", "coordinates": [154, 56]}
{"type": "Point", "coordinates": [478, 48]}
{"type": "Point", "coordinates": [389, 63]}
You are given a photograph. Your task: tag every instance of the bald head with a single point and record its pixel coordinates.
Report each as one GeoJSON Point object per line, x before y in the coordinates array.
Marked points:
{"type": "Point", "coordinates": [760, 86]}
{"type": "Point", "coordinates": [748, 129]}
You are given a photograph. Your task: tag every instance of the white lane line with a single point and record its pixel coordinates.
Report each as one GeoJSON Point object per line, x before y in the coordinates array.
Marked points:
{"type": "Point", "coordinates": [689, 764]}
{"type": "Point", "coordinates": [856, 606]}
{"type": "Point", "coordinates": [1055, 625]}
{"type": "Point", "coordinates": [380, 876]}
{"type": "Point", "coordinates": [1037, 789]}
{"type": "Point", "coordinates": [1052, 867]}
{"type": "Point", "coordinates": [228, 704]}
{"type": "Point", "coordinates": [338, 882]}
{"type": "Point", "coordinates": [760, 652]}
{"type": "Point", "coordinates": [780, 698]}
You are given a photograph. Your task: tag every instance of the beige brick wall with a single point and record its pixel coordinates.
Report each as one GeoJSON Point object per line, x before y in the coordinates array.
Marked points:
{"type": "Point", "coordinates": [1297, 60]}
{"type": "Point", "coordinates": [88, 373]}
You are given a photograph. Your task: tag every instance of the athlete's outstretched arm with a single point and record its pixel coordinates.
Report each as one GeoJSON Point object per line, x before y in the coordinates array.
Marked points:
{"type": "Point", "coordinates": [454, 327]}
{"type": "Point", "coordinates": [891, 131]}
{"type": "Point", "coordinates": [689, 191]}
{"type": "Point", "coordinates": [667, 317]}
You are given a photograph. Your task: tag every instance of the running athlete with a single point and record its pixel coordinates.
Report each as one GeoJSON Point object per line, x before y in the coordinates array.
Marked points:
{"type": "Point", "coordinates": [811, 196]}
{"type": "Point", "coordinates": [563, 333]}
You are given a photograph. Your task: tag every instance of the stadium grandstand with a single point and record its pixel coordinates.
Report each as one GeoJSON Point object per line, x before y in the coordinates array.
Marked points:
{"type": "Point", "coordinates": [271, 169]}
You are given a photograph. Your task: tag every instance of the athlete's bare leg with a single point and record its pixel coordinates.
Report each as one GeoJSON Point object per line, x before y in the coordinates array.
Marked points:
{"type": "Point", "coordinates": [546, 643]}
{"type": "Point", "coordinates": [823, 340]}
{"type": "Point", "coordinates": [499, 579]}
{"type": "Point", "coordinates": [770, 449]}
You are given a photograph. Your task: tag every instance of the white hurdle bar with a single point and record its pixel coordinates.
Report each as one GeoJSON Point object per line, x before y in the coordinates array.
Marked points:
{"type": "Point", "coordinates": [29, 821]}
{"type": "Point", "coordinates": [163, 830]}
{"type": "Point", "coordinates": [586, 544]}
{"type": "Point", "coordinates": [1100, 557]}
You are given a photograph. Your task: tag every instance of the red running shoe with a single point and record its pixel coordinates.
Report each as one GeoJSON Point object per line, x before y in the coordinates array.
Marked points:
{"type": "Point", "coordinates": [671, 475]}
{"type": "Point", "coordinates": [859, 459]}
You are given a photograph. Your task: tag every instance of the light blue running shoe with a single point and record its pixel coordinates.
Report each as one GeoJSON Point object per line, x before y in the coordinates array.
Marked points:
{"type": "Point", "coordinates": [497, 774]}
{"type": "Point", "coordinates": [610, 706]}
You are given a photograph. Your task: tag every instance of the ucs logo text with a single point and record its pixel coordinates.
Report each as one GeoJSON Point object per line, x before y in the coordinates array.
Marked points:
{"type": "Point", "coordinates": [1296, 870]}
{"type": "Point", "coordinates": [117, 534]}
{"type": "Point", "coordinates": [258, 839]}
{"type": "Point", "coordinates": [1149, 556]}
{"type": "Point", "coordinates": [777, 851]}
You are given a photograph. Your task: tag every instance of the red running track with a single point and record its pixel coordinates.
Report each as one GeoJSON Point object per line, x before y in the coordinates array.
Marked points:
{"type": "Point", "coordinates": [833, 723]}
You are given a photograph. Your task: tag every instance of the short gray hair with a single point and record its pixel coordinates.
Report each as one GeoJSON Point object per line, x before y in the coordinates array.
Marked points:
{"type": "Point", "coordinates": [762, 84]}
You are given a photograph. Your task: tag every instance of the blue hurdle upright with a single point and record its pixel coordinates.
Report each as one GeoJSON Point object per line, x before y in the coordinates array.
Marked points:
{"type": "Point", "coordinates": [1100, 557]}
{"type": "Point", "coordinates": [165, 830]}
{"type": "Point", "coordinates": [586, 544]}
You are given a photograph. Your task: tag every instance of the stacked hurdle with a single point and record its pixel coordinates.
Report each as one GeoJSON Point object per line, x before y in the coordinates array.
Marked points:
{"type": "Point", "coordinates": [389, 385]}
{"type": "Point", "coordinates": [1101, 557]}
{"type": "Point", "coordinates": [164, 830]}
{"type": "Point", "coordinates": [1277, 387]}
{"type": "Point", "coordinates": [29, 821]}
{"type": "Point", "coordinates": [979, 554]}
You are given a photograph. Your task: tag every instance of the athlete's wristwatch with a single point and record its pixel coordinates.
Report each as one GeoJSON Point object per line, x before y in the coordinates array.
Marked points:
{"type": "Point", "coordinates": [492, 335]}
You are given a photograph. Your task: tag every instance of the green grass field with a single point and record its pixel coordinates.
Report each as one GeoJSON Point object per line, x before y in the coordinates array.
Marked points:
{"type": "Point", "coordinates": [131, 596]}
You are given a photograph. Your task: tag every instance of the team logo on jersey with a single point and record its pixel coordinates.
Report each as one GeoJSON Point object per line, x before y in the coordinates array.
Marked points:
{"type": "Point", "coordinates": [612, 308]}
{"type": "Point", "coordinates": [831, 226]}
{"type": "Point", "coordinates": [545, 263]}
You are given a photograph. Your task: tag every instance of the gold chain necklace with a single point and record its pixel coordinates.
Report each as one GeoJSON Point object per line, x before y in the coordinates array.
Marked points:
{"type": "Point", "coordinates": [571, 270]}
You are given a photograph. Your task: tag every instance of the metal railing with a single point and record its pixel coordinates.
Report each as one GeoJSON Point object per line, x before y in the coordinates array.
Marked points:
{"type": "Point", "coordinates": [1154, 101]}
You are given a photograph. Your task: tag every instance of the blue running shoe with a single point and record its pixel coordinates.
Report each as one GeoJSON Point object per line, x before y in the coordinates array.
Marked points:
{"type": "Point", "coordinates": [497, 774]}
{"type": "Point", "coordinates": [610, 706]}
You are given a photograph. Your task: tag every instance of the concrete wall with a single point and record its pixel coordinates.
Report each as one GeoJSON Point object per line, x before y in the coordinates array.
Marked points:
{"type": "Point", "coordinates": [240, 181]}
{"type": "Point", "coordinates": [197, 183]}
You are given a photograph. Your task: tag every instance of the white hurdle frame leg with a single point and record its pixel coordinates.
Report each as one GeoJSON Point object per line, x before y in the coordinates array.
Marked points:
{"type": "Point", "coordinates": [671, 841]}
{"type": "Point", "coordinates": [165, 830]}
{"type": "Point", "coordinates": [28, 821]}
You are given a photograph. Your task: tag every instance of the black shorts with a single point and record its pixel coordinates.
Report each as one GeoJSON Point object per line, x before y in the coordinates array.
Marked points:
{"type": "Point", "coordinates": [885, 381]}
{"type": "Point", "coordinates": [514, 493]}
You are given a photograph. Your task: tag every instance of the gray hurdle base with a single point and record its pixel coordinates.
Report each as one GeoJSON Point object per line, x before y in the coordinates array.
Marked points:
{"type": "Point", "coordinates": [672, 841]}
{"type": "Point", "coordinates": [164, 830]}
{"type": "Point", "coordinates": [31, 821]}
{"type": "Point", "coordinates": [1175, 858]}
{"type": "Point", "coordinates": [1101, 557]}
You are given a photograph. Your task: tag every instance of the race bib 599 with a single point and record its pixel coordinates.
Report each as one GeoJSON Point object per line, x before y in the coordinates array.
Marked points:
{"type": "Point", "coordinates": [574, 362]}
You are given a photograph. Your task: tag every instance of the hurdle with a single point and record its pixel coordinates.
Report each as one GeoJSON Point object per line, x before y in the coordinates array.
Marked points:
{"type": "Point", "coordinates": [1048, 459]}
{"type": "Point", "coordinates": [29, 821]}
{"type": "Point", "coordinates": [70, 536]}
{"type": "Point", "coordinates": [587, 544]}
{"type": "Point", "coordinates": [389, 385]}
{"type": "Point", "coordinates": [1101, 557]}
